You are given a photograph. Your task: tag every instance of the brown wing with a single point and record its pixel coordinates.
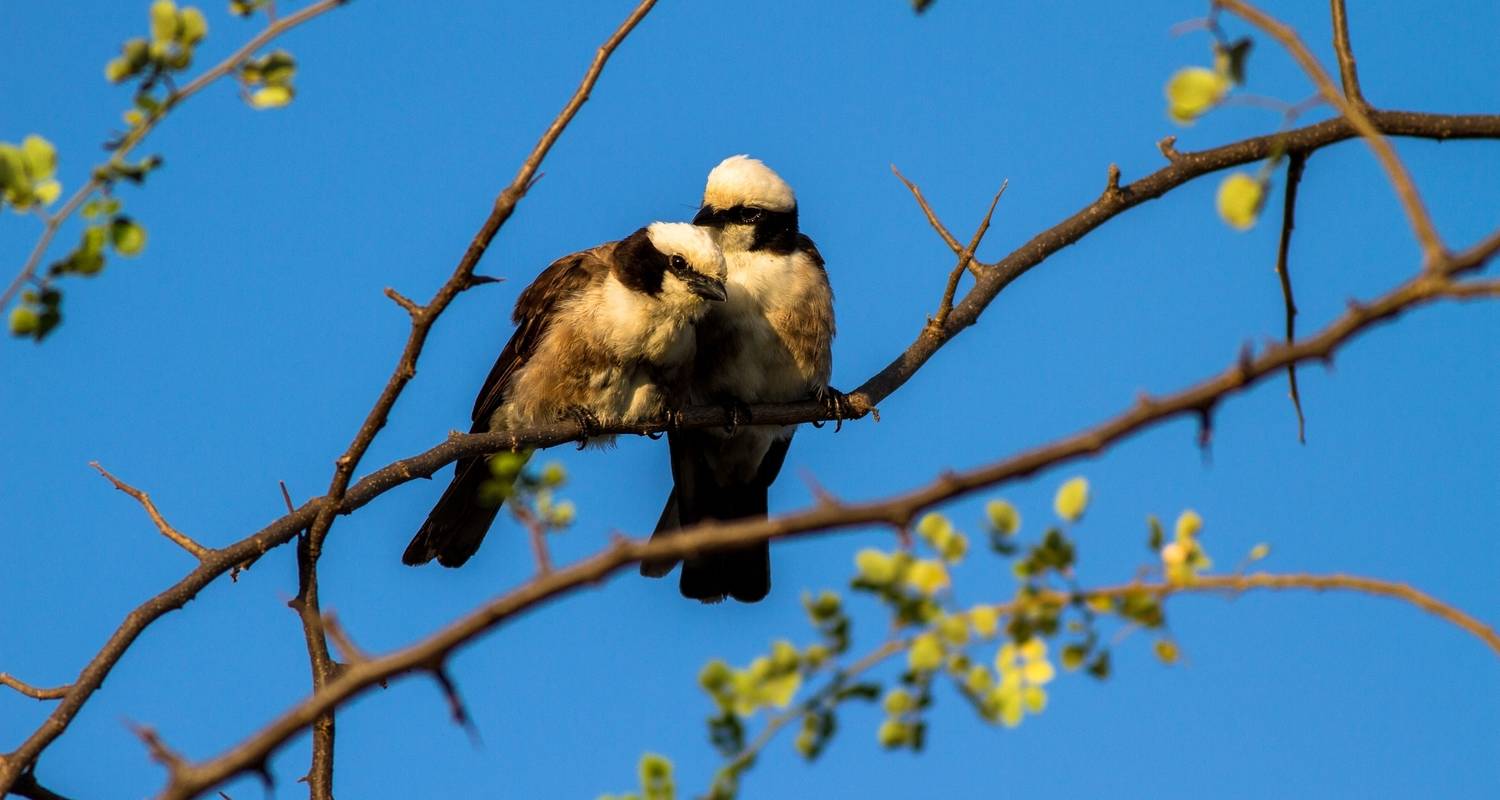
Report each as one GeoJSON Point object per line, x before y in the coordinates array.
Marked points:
{"type": "Point", "coordinates": [565, 277]}
{"type": "Point", "coordinates": [806, 245]}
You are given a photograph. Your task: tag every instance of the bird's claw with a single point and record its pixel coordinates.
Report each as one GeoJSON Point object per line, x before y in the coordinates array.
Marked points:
{"type": "Point", "coordinates": [671, 421]}
{"type": "Point", "coordinates": [836, 405]}
{"type": "Point", "coordinates": [737, 412]}
{"type": "Point", "coordinates": [588, 423]}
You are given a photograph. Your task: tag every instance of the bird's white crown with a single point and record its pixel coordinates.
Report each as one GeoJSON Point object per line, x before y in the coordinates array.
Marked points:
{"type": "Point", "coordinates": [745, 181]}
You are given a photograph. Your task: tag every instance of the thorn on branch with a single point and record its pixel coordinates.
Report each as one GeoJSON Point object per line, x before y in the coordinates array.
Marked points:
{"type": "Point", "coordinates": [965, 259]}
{"type": "Point", "coordinates": [411, 306]}
{"type": "Point", "coordinates": [1168, 149]}
{"type": "Point", "coordinates": [1205, 428]}
{"type": "Point", "coordinates": [181, 539]}
{"type": "Point", "coordinates": [455, 703]}
{"type": "Point", "coordinates": [160, 752]}
{"type": "Point", "coordinates": [286, 497]}
{"type": "Point", "coordinates": [932, 217]}
{"type": "Point", "coordinates": [1112, 184]}
{"type": "Point", "coordinates": [340, 638]}
{"type": "Point", "coordinates": [480, 280]}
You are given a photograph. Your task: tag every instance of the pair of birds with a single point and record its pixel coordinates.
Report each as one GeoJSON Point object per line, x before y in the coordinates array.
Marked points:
{"type": "Point", "coordinates": [734, 308]}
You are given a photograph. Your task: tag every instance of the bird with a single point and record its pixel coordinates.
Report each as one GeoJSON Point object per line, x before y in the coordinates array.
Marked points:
{"type": "Point", "coordinates": [769, 341]}
{"type": "Point", "coordinates": [604, 335]}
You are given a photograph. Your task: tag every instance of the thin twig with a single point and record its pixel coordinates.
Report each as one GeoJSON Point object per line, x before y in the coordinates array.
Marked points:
{"type": "Point", "coordinates": [140, 132]}
{"type": "Point", "coordinates": [1202, 585]}
{"type": "Point", "coordinates": [1421, 223]}
{"type": "Point", "coordinates": [1184, 168]}
{"type": "Point", "coordinates": [1348, 72]}
{"type": "Point", "coordinates": [193, 779]}
{"type": "Point", "coordinates": [1294, 168]}
{"type": "Point", "coordinates": [34, 692]}
{"type": "Point", "coordinates": [966, 260]}
{"type": "Point", "coordinates": [932, 217]}
{"type": "Point", "coordinates": [537, 533]}
{"type": "Point", "coordinates": [181, 539]}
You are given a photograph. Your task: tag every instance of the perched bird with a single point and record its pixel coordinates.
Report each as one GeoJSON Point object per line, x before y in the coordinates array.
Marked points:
{"type": "Point", "coordinates": [770, 341]}
{"type": "Point", "coordinates": [604, 336]}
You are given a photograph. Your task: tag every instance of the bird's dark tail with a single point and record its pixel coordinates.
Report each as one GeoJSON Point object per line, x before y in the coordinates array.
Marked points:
{"type": "Point", "coordinates": [457, 524]}
{"type": "Point", "coordinates": [743, 573]}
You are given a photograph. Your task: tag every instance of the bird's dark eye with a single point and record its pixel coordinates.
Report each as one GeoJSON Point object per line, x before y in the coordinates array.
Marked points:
{"type": "Point", "coordinates": [751, 215]}
{"type": "Point", "coordinates": [678, 262]}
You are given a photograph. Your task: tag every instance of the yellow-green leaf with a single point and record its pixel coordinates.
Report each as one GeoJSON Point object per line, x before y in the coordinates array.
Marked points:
{"type": "Point", "coordinates": [41, 157]}
{"type": "Point", "coordinates": [163, 20]}
{"type": "Point", "coordinates": [1192, 91]}
{"type": "Point", "coordinates": [1003, 516]}
{"type": "Point", "coordinates": [128, 238]}
{"type": "Point", "coordinates": [1239, 201]}
{"type": "Point", "coordinates": [191, 26]}
{"type": "Point", "coordinates": [1072, 499]}
{"type": "Point", "coordinates": [271, 97]}
{"type": "Point", "coordinates": [24, 320]}
{"type": "Point", "coordinates": [1188, 524]}
{"type": "Point", "coordinates": [926, 653]}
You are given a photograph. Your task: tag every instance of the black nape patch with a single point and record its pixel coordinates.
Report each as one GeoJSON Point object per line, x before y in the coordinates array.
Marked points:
{"type": "Point", "coordinates": [639, 266]}
{"type": "Point", "coordinates": [775, 231]}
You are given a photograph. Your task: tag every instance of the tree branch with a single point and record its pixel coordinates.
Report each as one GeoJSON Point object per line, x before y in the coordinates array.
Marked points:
{"type": "Point", "coordinates": [322, 509]}
{"type": "Point", "coordinates": [1183, 168]}
{"type": "Point", "coordinates": [965, 259]}
{"type": "Point", "coordinates": [897, 512]}
{"type": "Point", "coordinates": [1348, 73]}
{"type": "Point", "coordinates": [1288, 220]}
{"type": "Point", "coordinates": [34, 692]}
{"type": "Point", "coordinates": [1406, 189]}
{"type": "Point", "coordinates": [189, 780]}
{"type": "Point", "coordinates": [1202, 585]}
{"type": "Point", "coordinates": [181, 539]}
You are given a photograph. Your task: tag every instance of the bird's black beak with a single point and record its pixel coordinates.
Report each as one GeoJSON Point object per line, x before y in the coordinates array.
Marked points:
{"type": "Point", "coordinates": [708, 217]}
{"type": "Point", "coordinates": [705, 287]}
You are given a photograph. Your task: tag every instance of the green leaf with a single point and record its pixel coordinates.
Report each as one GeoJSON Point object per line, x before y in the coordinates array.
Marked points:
{"type": "Point", "coordinates": [41, 157]}
{"type": "Point", "coordinates": [191, 26]}
{"type": "Point", "coordinates": [1156, 537]}
{"type": "Point", "coordinates": [24, 321]}
{"type": "Point", "coordinates": [1003, 517]}
{"type": "Point", "coordinates": [271, 97]}
{"type": "Point", "coordinates": [164, 21]}
{"type": "Point", "coordinates": [127, 237]}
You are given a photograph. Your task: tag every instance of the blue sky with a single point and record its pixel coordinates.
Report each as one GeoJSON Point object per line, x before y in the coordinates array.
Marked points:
{"type": "Point", "coordinates": [246, 344]}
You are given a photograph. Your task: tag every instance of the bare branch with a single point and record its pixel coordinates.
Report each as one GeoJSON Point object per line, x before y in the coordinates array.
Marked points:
{"type": "Point", "coordinates": [1348, 73]}
{"type": "Point", "coordinates": [323, 509]}
{"type": "Point", "coordinates": [181, 539]}
{"type": "Point", "coordinates": [34, 692]}
{"type": "Point", "coordinates": [1421, 223]}
{"type": "Point", "coordinates": [1185, 168]}
{"type": "Point", "coordinates": [932, 217]}
{"type": "Point", "coordinates": [347, 648]}
{"type": "Point", "coordinates": [537, 532]}
{"type": "Point", "coordinates": [1288, 219]}
{"type": "Point", "coordinates": [966, 259]}
{"type": "Point", "coordinates": [1202, 585]}
{"type": "Point", "coordinates": [412, 307]}
{"type": "Point", "coordinates": [196, 778]}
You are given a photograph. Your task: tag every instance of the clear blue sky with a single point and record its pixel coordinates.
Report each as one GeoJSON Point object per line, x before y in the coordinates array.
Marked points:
{"type": "Point", "coordinates": [248, 341]}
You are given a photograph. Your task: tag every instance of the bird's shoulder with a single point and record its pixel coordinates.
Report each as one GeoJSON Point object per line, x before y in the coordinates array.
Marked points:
{"type": "Point", "coordinates": [566, 277]}
{"type": "Point", "coordinates": [805, 246]}
{"type": "Point", "coordinates": [563, 278]}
